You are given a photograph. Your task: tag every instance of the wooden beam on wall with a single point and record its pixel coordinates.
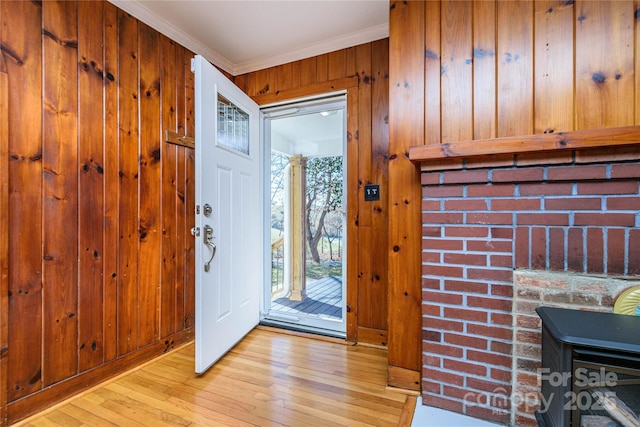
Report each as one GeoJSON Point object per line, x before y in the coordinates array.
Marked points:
{"type": "Point", "coordinates": [175, 138]}
{"type": "Point", "coordinates": [575, 140]}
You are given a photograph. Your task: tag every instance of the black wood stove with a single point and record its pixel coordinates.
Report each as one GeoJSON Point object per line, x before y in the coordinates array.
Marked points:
{"type": "Point", "coordinates": [590, 374]}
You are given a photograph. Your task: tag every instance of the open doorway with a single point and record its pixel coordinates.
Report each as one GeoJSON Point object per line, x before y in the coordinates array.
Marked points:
{"type": "Point", "coordinates": [305, 146]}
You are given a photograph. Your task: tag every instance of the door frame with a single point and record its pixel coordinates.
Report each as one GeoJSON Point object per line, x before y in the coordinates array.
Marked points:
{"type": "Point", "coordinates": [350, 85]}
{"type": "Point", "coordinates": [290, 109]}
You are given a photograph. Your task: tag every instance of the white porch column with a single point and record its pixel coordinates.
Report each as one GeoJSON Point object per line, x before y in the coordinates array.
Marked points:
{"type": "Point", "coordinates": [296, 236]}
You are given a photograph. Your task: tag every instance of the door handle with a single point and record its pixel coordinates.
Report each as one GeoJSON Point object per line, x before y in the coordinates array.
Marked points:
{"type": "Point", "coordinates": [208, 241]}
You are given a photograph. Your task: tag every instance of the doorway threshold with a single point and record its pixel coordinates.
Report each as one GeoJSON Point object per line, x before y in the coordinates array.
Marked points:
{"type": "Point", "coordinates": [286, 326]}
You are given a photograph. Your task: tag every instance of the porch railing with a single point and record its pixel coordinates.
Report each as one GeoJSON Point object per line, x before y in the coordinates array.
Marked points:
{"type": "Point", "coordinates": [277, 265]}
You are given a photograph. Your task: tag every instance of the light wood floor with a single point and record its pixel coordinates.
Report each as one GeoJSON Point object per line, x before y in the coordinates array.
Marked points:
{"type": "Point", "coordinates": [268, 379]}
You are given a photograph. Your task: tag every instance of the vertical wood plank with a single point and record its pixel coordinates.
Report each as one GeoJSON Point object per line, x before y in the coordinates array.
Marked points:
{"type": "Point", "coordinates": [353, 250]}
{"type": "Point", "coordinates": [308, 71]}
{"type": "Point", "coordinates": [322, 68]}
{"type": "Point", "coordinates": [407, 111]}
{"type": "Point", "coordinates": [379, 174]}
{"type": "Point", "coordinates": [60, 191]}
{"type": "Point", "coordinates": [287, 76]}
{"type": "Point", "coordinates": [150, 189]}
{"type": "Point", "coordinates": [90, 186]}
{"type": "Point", "coordinates": [241, 81]}
{"type": "Point", "coordinates": [264, 81]}
{"type": "Point", "coordinates": [189, 200]}
{"type": "Point", "coordinates": [337, 64]}
{"type": "Point", "coordinates": [22, 50]}
{"type": "Point", "coordinates": [128, 183]}
{"type": "Point", "coordinates": [181, 230]}
{"type": "Point", "coordinates": [554, 73]}
{"type": "Point", "coordinates": [111, 181]}
{"type": "Point", "coordinates": [4, 226]}
{"type": "Point", "coordinates": [457, 71]}
{"type": "Point", "coordinates": [432, 70]}
{"type": "Point", "coordinates": [350, 68]}
{"type": "Point", "coordinates": [515, 68]}
{"type": "Point", "coordinates": [604, 65]}
{"type": "Point", "coordinates": [169, 183]}
{"type": "Point", "coordinates": [484, 69]}
{"type": "Point", "coordinates": [251, 85]}
{"type": "Point", "coordinates": [363, 163]}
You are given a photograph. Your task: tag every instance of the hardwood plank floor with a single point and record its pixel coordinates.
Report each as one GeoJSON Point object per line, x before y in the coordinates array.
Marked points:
{"type": "Point", "coordinates": [268, 379]}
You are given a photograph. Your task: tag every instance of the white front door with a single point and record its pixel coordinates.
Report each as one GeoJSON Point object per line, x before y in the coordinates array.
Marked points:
{"type": "Point", "coordinates": [228, 224]}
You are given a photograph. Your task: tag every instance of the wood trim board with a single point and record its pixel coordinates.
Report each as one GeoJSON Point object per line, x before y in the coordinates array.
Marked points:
{"type": "Point", "coordinates": [574, 140]}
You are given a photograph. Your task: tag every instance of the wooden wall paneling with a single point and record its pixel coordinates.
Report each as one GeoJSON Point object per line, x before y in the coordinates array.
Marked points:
{"type": "Point", "coordinates": [190, 196]}
{"type": "Point", "coordinates": [4, 227]}
{"type": "Point", "coordinates": [128, 183]}
{"type": "Point", "coordinates": [604, 65]}
{"type": "Point", "coordinates": [363, 163]}
{"type": "Point", "coordinates": [457, 71]}
{"type": "Point", "coordinates": [111, 179]}
{"type": "Point", "coordinates": [250, 88]}
{"type": "Point", "coordinates": [432, 72]}
{"type": "Point", "coordinates": [60, 191]}
{"type": "Point", "coordinates": [322, 68]}
{"type": "Point", "coordinates": [169, 276]}
{"type": "Point", "coordinates": [350, 62]}
{"type": "Point", "coordinates": [90, 186]}
{"type": "Point", "coordinates": [308, 68]}
{"type": "Point", "coordinates": [241, 81]}
{"type": "Point", "coordinates": [264, 82]}
{"type": "Point", "coordinates": [407, 119]}
{"type": "Point", "coordinates": [515, 68]}
{"type": "Point", "coordinates": [48, 396]}
{"type": "Point", "coordinates": [364, 284]}
{"type": "Point", "coordinates": [353, 250]}
{"type": "Point", "coordinates": [554, 70]}
{"type": "Point", "coordinates": [337, 64]}
{"type": "Point", "coordinates": [73, 148]}
{"type": "Point", "coordinates": [380, 175]}
{"type": "Point", "coordinates": [150, 186]}
{"type": "Point", "coordinates": [183, 279]}
{"type": "Point", "coordinates": [314, 89]}
{"type": "Point", "coordinates": [183, 66]}
{"type": "Point", "coordinates": [188, 319]}
{"type": "Point", "coordinates": [288, 76]}
{"type": "Point", "coordinates": [484, 69]}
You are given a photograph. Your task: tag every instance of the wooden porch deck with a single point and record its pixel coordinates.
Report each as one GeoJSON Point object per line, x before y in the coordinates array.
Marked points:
{"type": "Point", "coordinates": [324, 300]}
{"type": "Point", "coordinates": [269, 379]}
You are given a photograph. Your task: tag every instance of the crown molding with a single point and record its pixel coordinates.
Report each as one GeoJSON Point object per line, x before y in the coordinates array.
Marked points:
{"type": "Point", "coordinates": [136, 9]}
{"type": "Point", "coordinates": [349, 40]}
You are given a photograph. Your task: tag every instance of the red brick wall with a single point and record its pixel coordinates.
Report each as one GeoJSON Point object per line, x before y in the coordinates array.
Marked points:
{"type": "Point", "coordinates": [483, 218]}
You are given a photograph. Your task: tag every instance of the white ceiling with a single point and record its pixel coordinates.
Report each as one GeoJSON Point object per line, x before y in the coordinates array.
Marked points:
{"type": "Point", "coordinates": [241, 36]}
{"type": "Point", "coordinates": [310, 135]}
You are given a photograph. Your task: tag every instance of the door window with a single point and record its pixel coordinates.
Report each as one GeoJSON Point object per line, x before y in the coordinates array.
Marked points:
{"type": "Point", "coordinates": [233, 126]}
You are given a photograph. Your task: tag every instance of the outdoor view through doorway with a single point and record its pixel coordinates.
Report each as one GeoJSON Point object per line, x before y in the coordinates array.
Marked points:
{"type": "Point", "coordinates": [305, 287]}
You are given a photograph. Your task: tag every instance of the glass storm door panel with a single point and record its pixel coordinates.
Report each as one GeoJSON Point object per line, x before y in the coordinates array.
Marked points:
{"type": "Point", "coordinates": [306, 239]}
